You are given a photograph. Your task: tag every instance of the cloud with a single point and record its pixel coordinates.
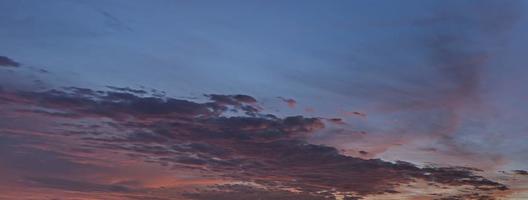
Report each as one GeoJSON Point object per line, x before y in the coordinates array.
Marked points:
{"type": "Point", "coordinates": [438, 91]}
{"type": "Point", "coordinates": [74, 185]}
{"type": "Point", "coordinates": [520, 172]}
{"type": "Point", "coordinates": [355, 113]}
{"type": "Point", "coordinates": [453, 55]}
{"type": "Point", "coordinates": [8, 62]}
{"type": "Point", "coordinates": [290, 102]}
{"type": "Point", "coordinates": [337, 121]}
{"type": "Point", "coordinates": [115, 104]}
{"type": "Point", "coordinates": [262, 149]}
{"type": "Point", "coordinates": [242, 192]}
{"type": "Point", "coordinates": [467, 196]}
{"type": "Point", "coordinates": [232, 99]}
{"type": "Point", "coordinates": [127, 89]}
{"type": "Point", "coordinates": [221, 103]}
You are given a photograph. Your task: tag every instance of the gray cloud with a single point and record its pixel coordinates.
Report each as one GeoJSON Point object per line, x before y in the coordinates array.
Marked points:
{"type": "Point", "coordinates": [8, 62]}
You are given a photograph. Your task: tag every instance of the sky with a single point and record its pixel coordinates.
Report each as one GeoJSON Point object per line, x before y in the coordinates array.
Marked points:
{"type": "Point", "coordinates": [323, 100]}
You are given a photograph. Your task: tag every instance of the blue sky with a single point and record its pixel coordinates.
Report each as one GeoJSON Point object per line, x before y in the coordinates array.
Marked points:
{"type": "Point", "coordinates": [420, 81]}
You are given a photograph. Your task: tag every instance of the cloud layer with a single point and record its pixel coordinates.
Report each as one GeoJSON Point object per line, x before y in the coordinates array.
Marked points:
{"type": "Point", "coordinates": [250, 147]}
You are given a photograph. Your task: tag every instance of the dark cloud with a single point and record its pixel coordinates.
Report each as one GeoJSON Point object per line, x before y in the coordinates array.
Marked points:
{"type": "Point", "coordinates": [472, 196]}
{"type": "Point", "coordinates": [19, 155]}
{"type": "Point", "coordinates": [291, 102]}
{"type": "Point", "coordinates": [355, 113]}
{"type": "Point", "coordinates": [337, 121]}
{"type": "Point", "coordinates": [292, 124]}
{"type": "Point", "coordinates": [74, 185]}
{"type": "Point", "coordinates": [115, 104]}
{"type": "Point", "coordinates": [262, 149]}
{"type": "Point", "coordinates": [241, 192]}
{"type": "Point", "coordinates": [8, 62]}
{"type": "Point", "coordinates": [127, 89]}
{"type": "Point", "coordinates": [520, 172]}
{"type": "Point", "coordinates": [235, 103]}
